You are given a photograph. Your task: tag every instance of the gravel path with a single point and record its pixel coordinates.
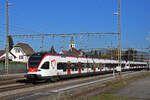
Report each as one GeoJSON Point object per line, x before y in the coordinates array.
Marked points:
{"type": "Point", "coordinates": [137, 89]}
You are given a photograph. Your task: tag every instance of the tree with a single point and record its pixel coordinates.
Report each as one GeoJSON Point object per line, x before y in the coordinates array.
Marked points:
{"type": "Point", "coordinates": [11, 42]}
{"type": "Point", "coordinates": [52, 50]}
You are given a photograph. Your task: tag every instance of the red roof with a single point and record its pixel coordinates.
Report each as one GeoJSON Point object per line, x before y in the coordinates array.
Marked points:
{"type": "Point", "coordinates": [73, 52]}
{"type": "Point", "coordinates": [64, 52]}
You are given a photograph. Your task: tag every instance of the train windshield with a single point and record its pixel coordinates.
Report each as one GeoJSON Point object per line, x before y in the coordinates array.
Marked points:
{"type": "Point", "coordinates": [35, 60]}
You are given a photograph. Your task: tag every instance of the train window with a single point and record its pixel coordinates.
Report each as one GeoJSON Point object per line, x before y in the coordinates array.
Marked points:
{"type": "Point", "coordinates": [72, 66]}
{"type": "Point", "coordinates": [76, 69]}
{"type": "Point", "coordinates": [88, 65]}
{"type": "Point", "coordinates": [35, 60]}
{"type": "Point", "coordinates": [75, 66]}
{"type": "Point", "coordinates": [98, 65]}
{"type": "Point", "coordinates": [82, 68]}
{"type": "Point", "coordinates": [85, 65]}
{"type": "Point", "coordinates": [60, 66]}
{"type": "Point", "coordinates": [103, 65]}
{"type": "Point", "coordinates": [45, 65]}
{"type": "Point", "coordinates": [123, 65]}
{"type": "Point", "coordinates": [64, 70]}
{"type": "Point", "coordinates": [113, 65]}
{"type": "Point", "coordinates": [91, 65]}
{"type": "Point", "coordinates": [106, 65]}
{"type": "Point", "coordinates": [73, 69]}
{"type": "Point", "coordinates": [82, 65]}
{"type": "Point", "coordinates": [64, 66]}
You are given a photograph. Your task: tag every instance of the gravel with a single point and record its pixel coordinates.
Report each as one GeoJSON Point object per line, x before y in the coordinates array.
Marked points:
{"type": "Point", "coordinates": [137, 89]}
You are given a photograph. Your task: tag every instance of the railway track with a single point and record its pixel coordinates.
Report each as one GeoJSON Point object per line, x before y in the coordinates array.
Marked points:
{"type": "Point", "coordinates": [11, 90]}
{"type": "Point", "coordinates": [11, 78]}
{"type": "Point", "coordinates": [21, 83]}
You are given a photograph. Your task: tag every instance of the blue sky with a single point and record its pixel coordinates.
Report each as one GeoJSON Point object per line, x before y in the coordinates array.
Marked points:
{"type": "Point", "coordinates": [70, 16]}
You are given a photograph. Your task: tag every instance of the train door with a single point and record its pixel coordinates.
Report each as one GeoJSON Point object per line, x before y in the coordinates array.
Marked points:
{"type": "Point", "coordinates": [68, 68]}
{"type": "Point", "coordinates": [127, 66]}
{"type": "Point", "coordinates": [100, 67]}
{"type": "Point", "coordinates": [79, 67]}
{"type": "Point", "coordinates": [53, 67]}
{"type": "Point", "coordinates": [94, 67]}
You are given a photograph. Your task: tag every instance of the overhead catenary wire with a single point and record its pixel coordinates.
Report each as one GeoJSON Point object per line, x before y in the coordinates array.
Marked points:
{"type": "Point", "coordinates": [64, 35]}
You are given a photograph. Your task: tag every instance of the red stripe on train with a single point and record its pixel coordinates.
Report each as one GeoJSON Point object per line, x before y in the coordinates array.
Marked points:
{"type": "Point", "coordinates": [79, 70]}
{"type": "Point", "coordinates": [94, 69]}
{"type": "Point", "coordinates": [68, 69]}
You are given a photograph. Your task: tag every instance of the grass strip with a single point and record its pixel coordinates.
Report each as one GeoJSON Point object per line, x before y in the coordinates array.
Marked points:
{"type": "Point", "coordinates": [113, 86]}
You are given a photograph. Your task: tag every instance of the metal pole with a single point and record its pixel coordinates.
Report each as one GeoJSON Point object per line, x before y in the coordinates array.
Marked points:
{"type": "Point", "coordinates": [149, 53]}
{"type": "Point", "coordinates": [87, 40]}
{"type": "Point", "coordinates": [119, 35]}
{"type": "Point", "coordinates": [111, 49]}
{"type": "Point", "coordinates": [7, 41]}
{"type": "Point", "coordinates": [80, 40]}
{"type": "Point", "coordinates": [134, 55]}
{"type": "Point", "coordinates": [42, 41]}
{"type": "Point", "coordinates": [63, 43]}
{"type": "Point", "coordinates": [128, 54]}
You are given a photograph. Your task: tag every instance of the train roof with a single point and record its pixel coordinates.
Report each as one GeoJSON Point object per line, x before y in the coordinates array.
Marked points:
{"type": "Point", "coordinates": [42, 54]}
{"type": "Point", "coordinates": [48, 53]}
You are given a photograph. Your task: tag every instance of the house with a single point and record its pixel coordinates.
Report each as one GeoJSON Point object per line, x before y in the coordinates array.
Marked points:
{"type": "Point", "coordinates": [72, 50]}
{"type": "Point", "coordinates": [2, 56]}
{"type": "Point", "coordinates": [2, 53]}
{"type": "Point", "coordinates": [19, 53]}
{"type": "Point", "coordinates": [22, 52]}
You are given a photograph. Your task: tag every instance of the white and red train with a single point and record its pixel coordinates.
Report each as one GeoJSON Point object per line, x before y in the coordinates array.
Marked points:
{"type": "Point", "coordinates": [54, 66]}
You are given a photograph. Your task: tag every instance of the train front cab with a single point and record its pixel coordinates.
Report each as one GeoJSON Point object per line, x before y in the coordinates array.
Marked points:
{"type": "Point", "coordinates": [40, 68]}
{"type": "Point", "coordinates": [37, 73]}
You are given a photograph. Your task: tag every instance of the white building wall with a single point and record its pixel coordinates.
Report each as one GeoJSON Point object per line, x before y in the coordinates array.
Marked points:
{"type": "Point", "coordinates": [9, 56]}
{"type": "Point", "coordinates": [20, 55]}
